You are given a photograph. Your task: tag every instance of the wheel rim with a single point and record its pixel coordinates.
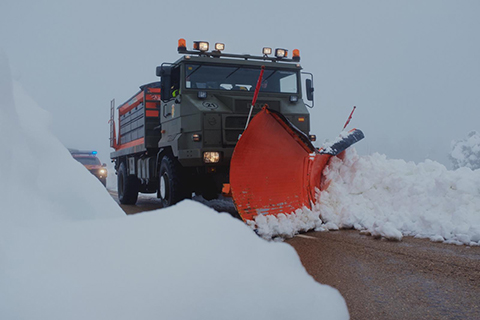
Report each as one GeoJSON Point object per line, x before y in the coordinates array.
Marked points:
{"type": "Point", "coordinates": [163, 186]}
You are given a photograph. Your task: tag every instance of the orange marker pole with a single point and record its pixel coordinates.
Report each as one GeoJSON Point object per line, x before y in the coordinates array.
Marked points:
{"type": "Point", "coordinates": [255, 95]}
{"type": "Point", "coordinates": [349, 118]}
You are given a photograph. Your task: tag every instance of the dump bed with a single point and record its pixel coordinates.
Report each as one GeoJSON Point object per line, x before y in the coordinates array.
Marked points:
{"type": "Point", "coordinates": [138, 120]}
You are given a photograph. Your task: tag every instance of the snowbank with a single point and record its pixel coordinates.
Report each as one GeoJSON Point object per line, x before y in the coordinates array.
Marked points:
{"type": "Point", "coordinates": [67, 251]}
{"type": "Point", "coordinates": [39, 180]}
{"type": "Point", "coordinates": [391, 199]}
{"type": "Point", "coordinates": [184, 262]}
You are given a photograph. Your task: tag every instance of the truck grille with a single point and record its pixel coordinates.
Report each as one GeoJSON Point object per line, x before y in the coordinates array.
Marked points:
{"type": "Point", "coordinates": [235, 122]}
{"type": "Point", "coordinates": [243, 106]}
{"type": "Point", "coordinates": [234, 126]}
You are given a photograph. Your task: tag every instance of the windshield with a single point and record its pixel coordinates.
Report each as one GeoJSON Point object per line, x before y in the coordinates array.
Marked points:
{"type": "Point", "coordinates": [239, 78]}
{"type": "Point", "coordinates": [88, 161]}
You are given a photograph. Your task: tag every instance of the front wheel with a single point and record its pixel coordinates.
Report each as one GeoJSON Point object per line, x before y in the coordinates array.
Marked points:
{"type": "Point", "coordinates": [128, 186]}
{"type": "Point", "coordinates": [171, 188]}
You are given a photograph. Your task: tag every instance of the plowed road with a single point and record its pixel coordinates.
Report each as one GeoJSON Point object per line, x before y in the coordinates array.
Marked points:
{"type": "Point", "coordinates": [411, 279]}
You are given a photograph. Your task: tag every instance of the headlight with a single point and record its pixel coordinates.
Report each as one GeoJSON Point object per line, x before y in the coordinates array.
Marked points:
{"type": "Point", "coordinates": [200, 45]}
{"type": "Point", "coordinates": [281, 53]}
{"type": "Point", "coordinates": [202, 94]}
{"type": "Point", "coordinates": [211, 157]}
{"type": "Point", "coordinates": [102, 171]}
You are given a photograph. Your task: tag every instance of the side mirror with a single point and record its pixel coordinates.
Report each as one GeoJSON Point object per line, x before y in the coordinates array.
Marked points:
{"type": "Point", "coordinates": [164, 72]}
{"type": "Point", "coordinates": [309, 89]}
{"type": "Point", "coordinates": [104, 164]}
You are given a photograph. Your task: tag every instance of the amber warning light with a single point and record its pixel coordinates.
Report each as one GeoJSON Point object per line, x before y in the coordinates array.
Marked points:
{"type": "Point", "coordinates": [296, 55]}
{"type": "Point", "coordinates": [182, 45]}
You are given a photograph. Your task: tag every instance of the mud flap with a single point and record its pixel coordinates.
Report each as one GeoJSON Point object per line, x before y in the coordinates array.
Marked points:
{"type": "Point", "coordinates": [274, 168]}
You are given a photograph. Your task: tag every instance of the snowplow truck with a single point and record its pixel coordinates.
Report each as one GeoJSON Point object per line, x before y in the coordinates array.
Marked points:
{"type": "Point", "coordinates": [187, 132]}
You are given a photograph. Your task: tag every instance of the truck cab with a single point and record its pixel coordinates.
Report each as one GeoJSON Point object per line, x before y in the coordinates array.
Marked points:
{"type": "Point", "coordinates": [183, 130]}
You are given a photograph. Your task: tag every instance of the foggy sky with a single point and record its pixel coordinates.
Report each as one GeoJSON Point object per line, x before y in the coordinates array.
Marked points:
{"type": "Point", "coordinates": [412, 68]}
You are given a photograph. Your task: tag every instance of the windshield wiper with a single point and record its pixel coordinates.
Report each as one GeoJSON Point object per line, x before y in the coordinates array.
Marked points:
{"type": "Point", "coordinates": [232, 73]}
{"type": "Point", "coordinates": [271, 74]}
{"type": "Point", "coordinates": [196, 69]}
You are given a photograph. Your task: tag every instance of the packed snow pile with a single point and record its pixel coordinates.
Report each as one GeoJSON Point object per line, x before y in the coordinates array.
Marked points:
{"type": "Point", "coordinates": [390, 198]}
{"type": "Point", "coordinates": [67, 251]}
{"type": "Point", "coordinates": [466, 152]}
{"type": "Point", "coordinates": [36, 170]}
{"type": "Point", "coordinates": [184, 262]}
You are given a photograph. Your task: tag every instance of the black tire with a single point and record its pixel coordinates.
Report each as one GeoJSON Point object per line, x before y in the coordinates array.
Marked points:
{"type": "Point", "coordinates": [128, 186]}
{"type": "Point", "coordinates": [171, 184]}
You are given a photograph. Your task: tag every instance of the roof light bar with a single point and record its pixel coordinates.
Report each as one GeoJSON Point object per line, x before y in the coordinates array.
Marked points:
{"type": "Point", "coordinates": [201, 48]}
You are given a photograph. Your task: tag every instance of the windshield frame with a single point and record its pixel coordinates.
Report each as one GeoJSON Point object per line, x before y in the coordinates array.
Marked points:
{"type": "Point", "coordinates": [270, 70]}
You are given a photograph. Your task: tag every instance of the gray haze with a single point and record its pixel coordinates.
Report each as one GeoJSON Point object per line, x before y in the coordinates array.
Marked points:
{"type": "Point", "coordinates": [412, 68]}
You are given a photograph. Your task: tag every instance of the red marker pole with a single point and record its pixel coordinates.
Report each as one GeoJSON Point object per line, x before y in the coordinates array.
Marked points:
{"type": "Point", "coordinates": [255, 95]}
{"type": "Point", "coordinates": [259, 83]}
{"type": "Point", "coordinates": [349, 118]}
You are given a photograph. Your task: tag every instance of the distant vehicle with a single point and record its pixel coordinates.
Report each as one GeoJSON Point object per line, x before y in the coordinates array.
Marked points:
{"type": "Point", "coordinates": [92, 163]}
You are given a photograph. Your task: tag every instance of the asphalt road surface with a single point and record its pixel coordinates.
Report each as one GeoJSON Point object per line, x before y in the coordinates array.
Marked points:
{"type": "Point", "coordinates": [379, 279]}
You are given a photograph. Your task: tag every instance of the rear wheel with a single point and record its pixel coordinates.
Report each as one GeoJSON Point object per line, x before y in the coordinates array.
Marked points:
{"type": "Point", "coordinates": [128, 186]}
{"type": "Point", "coordinates": [171, 187]}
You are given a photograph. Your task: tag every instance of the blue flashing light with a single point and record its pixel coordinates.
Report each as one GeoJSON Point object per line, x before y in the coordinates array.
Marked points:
{"type": "Point", "coordinates": [94, 152]}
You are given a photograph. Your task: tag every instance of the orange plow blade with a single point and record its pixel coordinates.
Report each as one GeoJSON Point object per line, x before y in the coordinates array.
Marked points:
{"type": "Point", "coordinates": [274, 169]}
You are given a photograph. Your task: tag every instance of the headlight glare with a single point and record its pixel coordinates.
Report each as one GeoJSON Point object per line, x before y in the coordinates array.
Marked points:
{"type": "Point", "coordinates": [200, 45]}
{"type": "Point", "coordinates": [211, 157]}
{"type": "Point", "coordinates": [281, 53]}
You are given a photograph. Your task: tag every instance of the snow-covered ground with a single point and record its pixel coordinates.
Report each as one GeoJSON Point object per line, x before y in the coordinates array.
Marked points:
{"type": "Point", "coordinates": [390, 198]}
{"type": "Point", "coordinates": [67, 251]}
